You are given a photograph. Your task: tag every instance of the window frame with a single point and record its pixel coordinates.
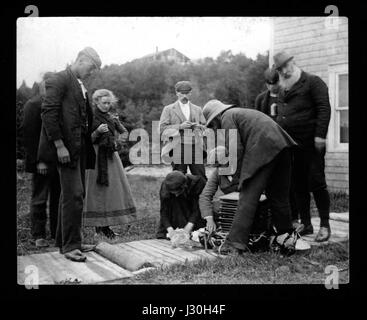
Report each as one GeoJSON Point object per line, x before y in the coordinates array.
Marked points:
{"type": "Point", "coordinates": [334, 143]}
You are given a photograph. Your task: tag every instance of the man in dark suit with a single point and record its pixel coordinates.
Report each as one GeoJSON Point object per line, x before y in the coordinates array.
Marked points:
{"type": "Point", "coordinates": [268, 103]}
{"type": "Point", "coordinates": [304, 113]}
{"type": "Point", "coordinates": [175, 119]}
{"type": "Point", "coordinates": [264, 155]}
{"type": "Point", "coordinates": [67, 118]}
{"type": "Point", "coordinates": [45, 178]}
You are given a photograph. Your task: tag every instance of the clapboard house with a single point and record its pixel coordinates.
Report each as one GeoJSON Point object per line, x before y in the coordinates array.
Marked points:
{"type": "Point", "coordinates": [320, 46]}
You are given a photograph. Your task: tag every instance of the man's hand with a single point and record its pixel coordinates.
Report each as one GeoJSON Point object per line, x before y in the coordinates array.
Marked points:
{"type": "Point", "coordinates": [210, 224]}
{"type": "Point", "coordinates": [185, 125]}
{"type": "Point", "coordinates": [63, 154]}
{"type": "Point", "coordinates": [189, 226]}
{"type": "Point", "coordinates": [169, 232]}
{"type": "Point", "coordinates": [42, 168]}
{"type": "Point", "coordinates": [320, 144]}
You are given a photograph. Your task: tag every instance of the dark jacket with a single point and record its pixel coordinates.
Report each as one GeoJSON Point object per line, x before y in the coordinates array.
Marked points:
{"type": "Point", "coordinates": [178, 211]}
{"type": "Point", "coordinates": [262, 102]}
{"type": "Point", "coordinates": [304, 111]}
{"type": "Point", "coordinates": [30, 130]}
{"type": "Point", "coordinates": [68, 116]}
{"type": "Point", "coordinates": [259, 139]}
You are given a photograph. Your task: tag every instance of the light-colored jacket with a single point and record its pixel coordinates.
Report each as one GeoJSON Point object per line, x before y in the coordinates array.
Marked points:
{"type": "Point", "coordinates": [169, 124]}
{"type": "Point", "coordinates": [172, 116]}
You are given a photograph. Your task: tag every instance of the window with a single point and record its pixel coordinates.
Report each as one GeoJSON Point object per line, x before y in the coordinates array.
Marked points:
{"type": "Point", "coordinates": [338, 136]}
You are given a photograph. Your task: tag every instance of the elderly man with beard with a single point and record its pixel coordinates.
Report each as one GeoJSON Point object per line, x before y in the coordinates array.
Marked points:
{"type": "Point", "coordinates": [304, 113]}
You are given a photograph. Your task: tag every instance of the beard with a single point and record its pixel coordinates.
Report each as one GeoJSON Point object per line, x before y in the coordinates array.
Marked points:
{"type": "Point", "coordinates": [287, 83]}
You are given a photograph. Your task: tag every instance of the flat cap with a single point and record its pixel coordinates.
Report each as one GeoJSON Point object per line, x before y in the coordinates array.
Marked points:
{"type": "Point", "coordinates": [271, 76]}
{"type": "Point", "coordinates": [183, 86]}
{"type": "Point", "coordinates": [92, 55]}
{"type": "Point", "coordinates": [175, 180]}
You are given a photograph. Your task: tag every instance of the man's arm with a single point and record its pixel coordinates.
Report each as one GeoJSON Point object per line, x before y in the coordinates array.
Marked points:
{"type": "Point", "coordinates": [164, 208]}
{"type": "Point", "coordinates": [51, 108]}
{"type": "Point", "coordinates": [320, 97]}
{"type": "Point", "coordinates": [258, 100]}
{"type": "Point", "coordinates": [165, 121]}
{"type": "Point", "coordinates": [206, 197]}
{"type": "Point", "coordinates": [198, 188]}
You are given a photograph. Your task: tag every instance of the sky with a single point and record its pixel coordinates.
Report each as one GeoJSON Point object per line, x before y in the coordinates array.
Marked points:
{"type": "Point", "coordinates": [48, 44]}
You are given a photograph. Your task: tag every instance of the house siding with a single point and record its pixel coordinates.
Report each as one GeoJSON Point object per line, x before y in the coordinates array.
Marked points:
{"type": "Point", "coordinates": [315, 48]}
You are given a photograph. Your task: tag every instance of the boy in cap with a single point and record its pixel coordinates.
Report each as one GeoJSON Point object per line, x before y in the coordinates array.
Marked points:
{"type": "Point", "coordinates": [177, 117]}
{"type": "Point", "coordinates": [65, 139]}
{"type": "Point", "coordinates": [266, 101]}
{"type": "Point", "coordinates": [179, 196]}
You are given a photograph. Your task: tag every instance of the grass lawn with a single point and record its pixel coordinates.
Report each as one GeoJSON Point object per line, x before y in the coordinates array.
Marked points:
{"type": "Point", "coordinates": [251, 268]}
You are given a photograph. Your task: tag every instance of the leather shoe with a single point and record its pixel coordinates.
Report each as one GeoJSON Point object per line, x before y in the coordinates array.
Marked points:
{"type": "Point", "coordinates": [323, 234]}
{"type": "Point", "coordinates": [305, 229]}
{"type": "Point", "coordinates": [75, 255]}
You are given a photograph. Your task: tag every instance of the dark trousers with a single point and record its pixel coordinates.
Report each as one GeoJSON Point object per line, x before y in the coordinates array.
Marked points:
{"type": "Point", "coordinates": [274, 178]}
{"type": "Point", "coordinates": [309, 176]}
{"type": "Point", "coordinates": [44, 188]}
{"type": "Point", "coordinates": [72, 180]}
{"type": "Point", "coordinates": [188, 160]}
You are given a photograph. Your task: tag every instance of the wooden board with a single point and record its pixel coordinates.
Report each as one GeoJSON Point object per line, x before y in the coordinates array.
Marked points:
{"type": "Point", "coordinates": [160, 253]}
{"type": "Point", "coordinates": [54, 268]}
{"type": "Point", "coordinates": [340, 216]}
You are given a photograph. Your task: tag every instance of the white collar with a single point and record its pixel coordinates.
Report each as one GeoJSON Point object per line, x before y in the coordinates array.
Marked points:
{"type": "Point", "coordinates": [84, 90]}
{"type": "Point", "coordinates": [184, 105]}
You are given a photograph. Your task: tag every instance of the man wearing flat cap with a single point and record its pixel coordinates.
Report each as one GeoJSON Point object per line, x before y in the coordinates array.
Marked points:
{"type": "Point", "coordinates": [65, 139]}
{"type": "Point", "coordinates": [179, 196]}
{"type": "Point", "coordinates": [264, 158]}
{"type": "Point", "coordinates": [266, 101]}
{"type": "Point", "coordinates": [304, 112]}
{"type": "Point", "coordinates": [176, 120]}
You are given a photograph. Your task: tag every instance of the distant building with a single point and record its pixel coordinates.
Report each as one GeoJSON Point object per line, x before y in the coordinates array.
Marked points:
{"type": "Point", "coordinates": [320, 46]}
{"type": "Point", "coordinates": [169, 55]}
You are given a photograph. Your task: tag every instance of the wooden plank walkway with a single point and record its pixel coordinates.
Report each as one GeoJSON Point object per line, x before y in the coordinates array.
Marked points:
{"type": "Point", "coordinates": [54, 268]}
